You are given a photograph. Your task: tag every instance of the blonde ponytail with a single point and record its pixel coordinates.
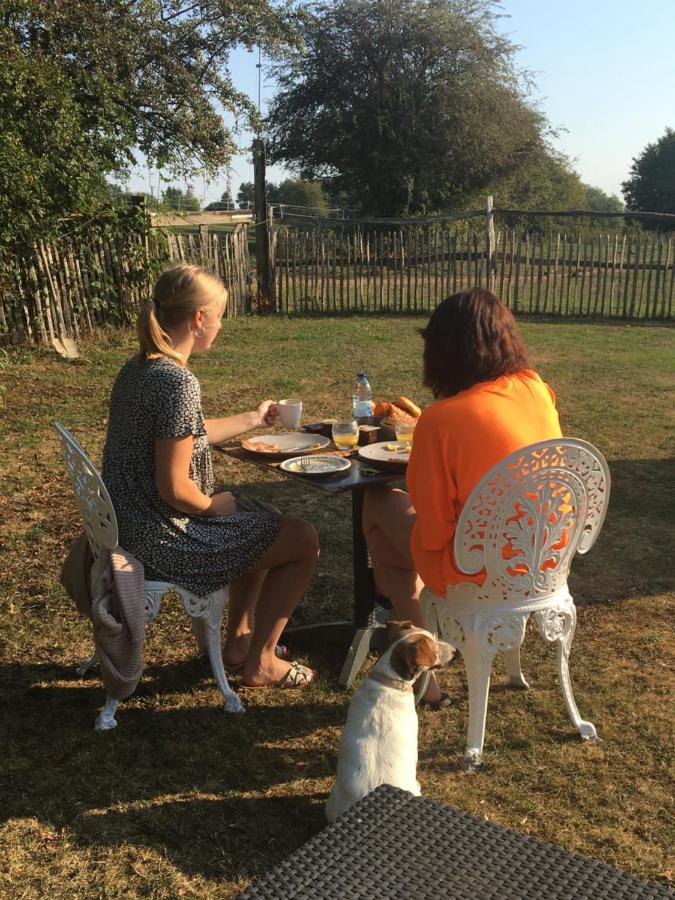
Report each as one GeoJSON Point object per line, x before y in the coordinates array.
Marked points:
{"type": "Point", "coordinates": [180, 291]}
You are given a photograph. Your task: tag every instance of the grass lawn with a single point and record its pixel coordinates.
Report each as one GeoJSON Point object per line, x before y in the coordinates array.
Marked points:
{"type": "Point", "coordinates": [184, 801]}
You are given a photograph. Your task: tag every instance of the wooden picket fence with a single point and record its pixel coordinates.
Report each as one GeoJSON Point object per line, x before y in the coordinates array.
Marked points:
{"type": "Point", "coordinates": [65, 288]}
{"type": "Point", "coordinates": [225, 253]}
{"type": "Point", "coordinates": [411, 269]}
{"type": "Point", "coordinates": [51, 290]}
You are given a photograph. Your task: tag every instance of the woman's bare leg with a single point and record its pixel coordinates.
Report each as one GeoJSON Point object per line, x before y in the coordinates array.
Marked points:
{"type": "Point", "coordinates": [244, 594]}
{"type": "Point", "coordinates": [289, 564]}
{"type": "Point", "coordinates": [388, 519]}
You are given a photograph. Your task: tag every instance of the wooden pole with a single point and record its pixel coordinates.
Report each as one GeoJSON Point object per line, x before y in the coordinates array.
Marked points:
{"type": "Point", "coordinates": [490, 244]}
{"type": "Point", "coordinates": [263, 249]}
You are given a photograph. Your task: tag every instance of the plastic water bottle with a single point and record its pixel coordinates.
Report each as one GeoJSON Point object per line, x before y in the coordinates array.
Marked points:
{"type": "Point", "coordinates": [362, 400]}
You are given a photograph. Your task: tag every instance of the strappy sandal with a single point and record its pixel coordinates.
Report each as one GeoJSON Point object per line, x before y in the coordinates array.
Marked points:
{"type": "Point", "coordinates": [297, 676]}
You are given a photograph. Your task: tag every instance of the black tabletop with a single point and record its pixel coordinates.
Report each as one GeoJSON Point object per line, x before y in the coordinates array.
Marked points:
{"type": "Point", "coordinates": [393, 846]}
{"type": "Point", "coordinates": [359, 475]}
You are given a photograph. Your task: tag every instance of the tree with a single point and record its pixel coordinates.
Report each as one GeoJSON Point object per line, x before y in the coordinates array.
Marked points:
{"type": "Point", "coordinates": [226, 199]}
{"type": "Point", "coordinates": [83, 85]}
{"type": "Point", "coordinates": [545, 181]}
{"type": "Point", "coordinates": [185, 201]}
{"type": "Point", "coordinates": [651, 186]}
{"type": "Point", "coordinates": [225, 203]}
{"type": "Point", "coordinates": [307, 196]}
{"type": "Point", "coordinates": [416, 104]}
{"type": "Point", "coordinates": [599, 201]}
{"type": "Point", "coordinates": [246, 194]}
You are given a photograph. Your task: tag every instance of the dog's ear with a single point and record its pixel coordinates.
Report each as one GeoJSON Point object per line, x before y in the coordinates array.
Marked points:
{"type": "Point", "coordinates": [410, 658]}
{"type": "Point", "coordinates": [396, 629]}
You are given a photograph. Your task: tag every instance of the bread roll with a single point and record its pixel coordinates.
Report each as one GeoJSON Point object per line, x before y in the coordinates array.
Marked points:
{"type": "Point", "coordinates": [408, 407]}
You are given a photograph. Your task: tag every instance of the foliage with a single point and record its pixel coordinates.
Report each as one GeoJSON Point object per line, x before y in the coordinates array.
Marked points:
{"type": "Point", "coordinates": [83, 84]}
{"type": "Point", "coordinates": [651, 186]}
{"type": "Point", "coordinates": [308, 196]}
{"type": "Point", "coordinates": [246, 193]}
{"type": "Point", "coordinates": [292, 191]}
{"type": "Point", "coordinates": [547, 182]}
{"type": "Point", "coordinates": [417, 104]}
{"type": "Point", "coordinates": [599, 201]}
{"type": "Point", "coordinates": [175, 198]}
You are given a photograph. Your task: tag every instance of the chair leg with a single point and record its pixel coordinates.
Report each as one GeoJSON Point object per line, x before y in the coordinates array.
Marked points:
{"type": "Point", "coordinates": [210, 611]}
{"type": "Point", "coordinates": [513, 670]}
{"type": "Point", "coordinates": [357, 653]}
{"type": "Point", "coordinates": [105, 721]}
{"type": "Point", "coordinates": [557, 626]}
{"type": "Point", "coordinates": [199, 631]}
{"type": "Point", "coordinates": [478, 664]}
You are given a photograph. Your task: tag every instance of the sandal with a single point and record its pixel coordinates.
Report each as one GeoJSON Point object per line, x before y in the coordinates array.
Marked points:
{"type": "Point", "coordinates": [296, 677]}
{"type": "Point", "coordinates": [436, 705]}
{"type": "Point", "coordinates": [280, 651]}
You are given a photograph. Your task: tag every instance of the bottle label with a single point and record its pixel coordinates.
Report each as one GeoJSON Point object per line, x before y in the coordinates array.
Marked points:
{"type": "Point", "coordinates": [362, 408]}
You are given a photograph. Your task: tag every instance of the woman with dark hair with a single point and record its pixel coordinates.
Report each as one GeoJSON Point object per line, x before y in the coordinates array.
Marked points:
{"type": "Point", "coordinates": [489, 403]}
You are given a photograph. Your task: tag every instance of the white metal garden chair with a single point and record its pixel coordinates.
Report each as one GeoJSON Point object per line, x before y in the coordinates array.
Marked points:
{"type": "Point", "coordinates": [522, 524]}
{"type": "Point", "coordinates": [100, 525]}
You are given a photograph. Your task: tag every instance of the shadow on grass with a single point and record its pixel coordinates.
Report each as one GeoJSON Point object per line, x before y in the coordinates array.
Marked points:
{"type": "Point", "coordinates": [633, 554]}
{"type": "Point", "coordinates": [138, 782]}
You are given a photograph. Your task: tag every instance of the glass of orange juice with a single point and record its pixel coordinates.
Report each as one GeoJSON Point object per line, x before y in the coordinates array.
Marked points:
{"type": "Point", "coordinates": [404, 431]}
{"type": "Point", "coordinates": [345, 433]}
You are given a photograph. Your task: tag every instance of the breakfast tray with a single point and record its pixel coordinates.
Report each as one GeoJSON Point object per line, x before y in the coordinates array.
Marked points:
{"type": "Point", "coordinates": [394, 846]}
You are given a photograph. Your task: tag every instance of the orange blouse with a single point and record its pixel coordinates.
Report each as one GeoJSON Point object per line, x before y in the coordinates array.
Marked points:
{"type": "Point", "coordinates": [457, 440]}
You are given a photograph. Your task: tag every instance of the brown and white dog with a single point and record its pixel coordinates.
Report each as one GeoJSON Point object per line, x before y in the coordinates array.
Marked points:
{"type": "Point", "coordinates": [379, 740]}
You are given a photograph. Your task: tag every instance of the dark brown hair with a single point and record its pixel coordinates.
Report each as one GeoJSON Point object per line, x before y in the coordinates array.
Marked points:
{"type": "Point", "coordinates": [470, 337]}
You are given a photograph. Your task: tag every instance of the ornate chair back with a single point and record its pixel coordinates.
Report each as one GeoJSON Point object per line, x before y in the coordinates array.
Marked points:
{"type": "Point", "coordinates": [528, 516]}
{"type": "Point", "coordinates": [98, 514]}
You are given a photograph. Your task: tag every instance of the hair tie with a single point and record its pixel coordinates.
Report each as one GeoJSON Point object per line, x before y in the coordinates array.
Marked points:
{"type": "Point", "coordinates": [156, 302]}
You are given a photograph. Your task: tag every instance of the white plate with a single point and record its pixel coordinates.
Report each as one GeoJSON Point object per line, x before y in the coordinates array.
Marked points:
{"type": "Point", "coordinates": [378, 453]}
{"type": "Point", "coordinates": [318, 465]}
{"type": "Point", "coordinates": [289, 443]}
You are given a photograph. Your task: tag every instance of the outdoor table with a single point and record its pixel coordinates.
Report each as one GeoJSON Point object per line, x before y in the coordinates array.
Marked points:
{"type": "Point", "coordinates": [363, 633]}
{"type": "Point", "coordinates": [394, 846]}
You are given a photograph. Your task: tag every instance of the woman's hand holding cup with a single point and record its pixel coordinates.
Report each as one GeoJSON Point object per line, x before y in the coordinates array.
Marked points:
{"type": "Point", "coordinates": [268, 413]}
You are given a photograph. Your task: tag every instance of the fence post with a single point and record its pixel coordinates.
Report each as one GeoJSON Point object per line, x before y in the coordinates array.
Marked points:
{"type": "Point", "coordinates": [204, 245]}
{"type": "Point", "coordinates": [263, 248]}
{"type": "Point", "coordinates": [490, 244]}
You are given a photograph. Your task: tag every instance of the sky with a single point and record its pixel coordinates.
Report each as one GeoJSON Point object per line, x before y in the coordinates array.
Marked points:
{"type": "Point", "coordinates": [604, 72]}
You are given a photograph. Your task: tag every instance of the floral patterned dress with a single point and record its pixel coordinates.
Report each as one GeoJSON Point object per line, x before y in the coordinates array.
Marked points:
{"type": "Point", "coordinates": [157, 398]}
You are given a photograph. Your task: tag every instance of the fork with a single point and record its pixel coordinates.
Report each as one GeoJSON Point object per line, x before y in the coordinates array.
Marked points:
{"type": "Point", "coordinates": [304, 463]}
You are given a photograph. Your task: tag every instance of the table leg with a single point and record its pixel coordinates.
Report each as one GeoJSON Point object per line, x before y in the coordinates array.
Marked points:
{"type": "Point", "coordinates": [369, 624]}
{"type": "Point", "coordinates": [366, 632]}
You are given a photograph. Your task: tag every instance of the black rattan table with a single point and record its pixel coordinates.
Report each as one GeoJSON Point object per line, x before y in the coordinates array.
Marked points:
{"type": "Point", "coordinates": [393, 846]}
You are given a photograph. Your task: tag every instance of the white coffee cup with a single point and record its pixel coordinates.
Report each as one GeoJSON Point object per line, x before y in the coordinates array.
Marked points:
{"type": "Point", "coordinates": [290, 412]}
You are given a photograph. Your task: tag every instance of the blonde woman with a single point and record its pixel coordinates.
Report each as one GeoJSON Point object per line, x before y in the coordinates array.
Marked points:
{"type": "Point", "coordinates": [157, 468]}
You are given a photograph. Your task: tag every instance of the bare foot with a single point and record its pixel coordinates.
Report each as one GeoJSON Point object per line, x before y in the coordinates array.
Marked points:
{"type": "Point", "coordinates": [235, 650]}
